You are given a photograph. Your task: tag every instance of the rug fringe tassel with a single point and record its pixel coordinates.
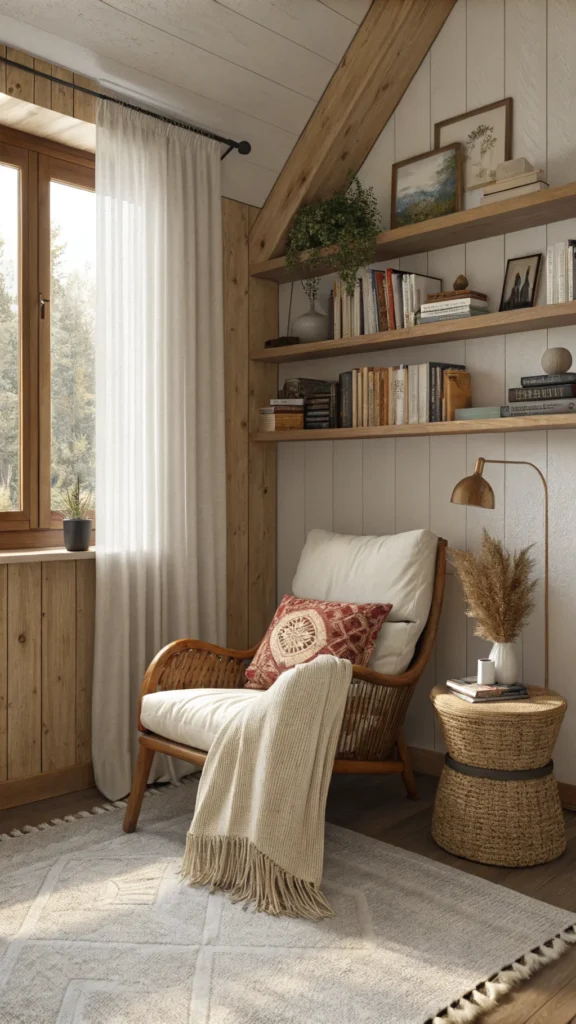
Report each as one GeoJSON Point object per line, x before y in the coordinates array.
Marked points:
{"type": "Point", "coordinates": [235, 865]}
{"type": "Point", "coordinates": [487, 995]}
{"type": "Point", "coordinates": [116, 805]}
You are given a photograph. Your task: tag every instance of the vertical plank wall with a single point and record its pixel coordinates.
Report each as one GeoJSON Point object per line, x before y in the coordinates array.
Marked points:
{"type": "Point", "coordinates": [46, 652]}
{"type": "Point", "coordinates": [487, 49]}
{"type": "Point", "coordinates": [24, 85]}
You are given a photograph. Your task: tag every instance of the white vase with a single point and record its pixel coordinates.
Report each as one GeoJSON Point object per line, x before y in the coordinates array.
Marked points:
{"type": "Point", "coordinates": [505, 663]}
{"type": "Point", "coordinates": [311, 326]}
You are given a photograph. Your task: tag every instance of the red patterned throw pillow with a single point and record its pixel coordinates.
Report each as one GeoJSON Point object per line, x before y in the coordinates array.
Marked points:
{"type": "Point", "coordinates": [302, 629]}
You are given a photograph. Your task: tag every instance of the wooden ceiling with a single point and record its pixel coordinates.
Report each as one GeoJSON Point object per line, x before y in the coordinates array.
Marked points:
{"type": "Point", "coordinates": [251, 69]}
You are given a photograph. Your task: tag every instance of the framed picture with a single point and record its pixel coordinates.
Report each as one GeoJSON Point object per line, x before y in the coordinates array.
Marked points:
{"type": "Point", "coordinates": [486, 137]}
{"type": "Point", "coordinates": [426, 186]}
{"type": "Point", "coordinates": [520, 282]}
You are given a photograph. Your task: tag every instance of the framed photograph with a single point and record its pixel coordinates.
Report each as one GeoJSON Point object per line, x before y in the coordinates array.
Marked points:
{"type": "Point", "coordinates": [486, 137]}
{"type": "Point", "coordinates": [426, 186]}
{"type": "Point", "coordinates": [520, 282]}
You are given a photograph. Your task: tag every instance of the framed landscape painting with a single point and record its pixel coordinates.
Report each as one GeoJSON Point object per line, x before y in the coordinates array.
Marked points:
{"type": "Point", "coordinates": [426, 186]}
{"type": "Point", "coordinates": [486, 137]}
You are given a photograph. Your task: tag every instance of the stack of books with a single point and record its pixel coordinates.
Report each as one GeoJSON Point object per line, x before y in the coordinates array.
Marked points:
{"type": "Point", "coordinates": [282, 414]}
{"type": "Point", "coordinates": [471, 690]}
{"type": "Point", "coordinates": [316, 400]}
{"type": "Point", "coordinates": [508, 188]}
{"type": "Point", "coordinates": [321, 408]}
{"type": "Point", "coordinates": [544, 394]}
{"type": "Point", "coordinates": [561, 271]}
{"type": "Point", "coordinates": [453, 306]}
{"type": "Point", "coordinates": [383, 300]}
{"type": "Point", "coordinates": [384, 396]}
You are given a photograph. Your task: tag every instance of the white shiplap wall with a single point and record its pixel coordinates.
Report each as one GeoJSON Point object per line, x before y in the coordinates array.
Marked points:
{"type": "Point", "coordinates": [487, 49]}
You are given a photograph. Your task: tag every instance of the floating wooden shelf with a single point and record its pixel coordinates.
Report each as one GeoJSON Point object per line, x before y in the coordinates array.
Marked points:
{"type": "Point", "coordinates": [509, 322]}
{"type": "Point", "coordinates": [483, 222]}
{"type": "Point", "coordinates": [500, 426]}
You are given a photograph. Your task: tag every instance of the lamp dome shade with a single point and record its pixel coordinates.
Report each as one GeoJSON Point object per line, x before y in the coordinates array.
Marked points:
{"type": "Point", "coordinates": [473, 490]}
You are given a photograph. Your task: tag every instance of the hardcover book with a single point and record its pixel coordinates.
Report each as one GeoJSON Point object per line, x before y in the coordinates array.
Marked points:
{"type": "Point", "coordinates": [541, 393]}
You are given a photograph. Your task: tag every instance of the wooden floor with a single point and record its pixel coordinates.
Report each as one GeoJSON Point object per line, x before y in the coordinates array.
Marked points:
{"type": "Point", "coordinates": [377, 806]}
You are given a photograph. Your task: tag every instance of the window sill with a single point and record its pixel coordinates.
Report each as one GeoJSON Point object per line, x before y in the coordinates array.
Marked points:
{"type": "Point", "coordinates": [45, 555]}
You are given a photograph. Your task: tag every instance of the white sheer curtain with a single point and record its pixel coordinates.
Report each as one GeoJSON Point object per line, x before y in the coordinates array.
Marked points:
{"type": "Point", "coordinates": [160, 474]}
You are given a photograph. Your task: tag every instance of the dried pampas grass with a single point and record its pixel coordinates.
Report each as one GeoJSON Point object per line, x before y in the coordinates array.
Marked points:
{"type": "Point", "coordinates": [498, 588]}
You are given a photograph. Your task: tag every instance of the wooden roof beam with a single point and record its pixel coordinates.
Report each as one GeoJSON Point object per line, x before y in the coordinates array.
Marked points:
{"type": "Point", "coordinates": [361, 96]}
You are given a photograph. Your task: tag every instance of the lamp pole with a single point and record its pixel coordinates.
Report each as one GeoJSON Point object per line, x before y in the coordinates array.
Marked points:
{"type": "Point", "coordinates": [517, 462]}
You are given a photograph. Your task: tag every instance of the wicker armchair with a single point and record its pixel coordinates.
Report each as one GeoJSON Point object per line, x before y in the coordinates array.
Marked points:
{"type": "Point", "coordinates": [371, 728]}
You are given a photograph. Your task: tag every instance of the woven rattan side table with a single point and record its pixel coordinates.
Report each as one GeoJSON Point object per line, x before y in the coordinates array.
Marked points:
{"type": "Point", "coordinates": [497, 800]}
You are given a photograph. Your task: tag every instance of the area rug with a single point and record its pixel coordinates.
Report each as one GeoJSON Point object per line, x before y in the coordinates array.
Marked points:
{"type": "Point", "coordinates": [96, 927]}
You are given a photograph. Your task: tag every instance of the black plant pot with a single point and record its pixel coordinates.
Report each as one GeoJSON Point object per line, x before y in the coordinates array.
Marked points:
{"type": "Point", "coordinates": [77, 533]}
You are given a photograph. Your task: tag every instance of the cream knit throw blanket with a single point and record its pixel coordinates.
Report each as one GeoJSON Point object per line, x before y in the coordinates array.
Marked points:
{"type": "Point", "coordinates": [258, 827]}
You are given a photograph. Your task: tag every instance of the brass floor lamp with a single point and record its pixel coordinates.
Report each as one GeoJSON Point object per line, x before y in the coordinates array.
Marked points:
{"type": "Point", "coordinates": [475, 490]}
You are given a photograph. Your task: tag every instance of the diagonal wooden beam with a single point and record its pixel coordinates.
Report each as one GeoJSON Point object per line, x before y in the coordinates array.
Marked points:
{"type": "Point", "coordinates": [364, 91]}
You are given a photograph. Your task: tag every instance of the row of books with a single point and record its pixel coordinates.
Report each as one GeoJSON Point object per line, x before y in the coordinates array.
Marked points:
{"type": "Point", "coordinates": [469, 689]}
{"type": "Point", "coordinates": [561, 271]}
{"type": "Point", "coordinates": [383, 300]}
{"type": "Point", "coordinates": [385, 396]}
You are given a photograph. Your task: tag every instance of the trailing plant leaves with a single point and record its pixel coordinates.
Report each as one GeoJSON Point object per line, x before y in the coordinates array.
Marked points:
{"type": "Point", "coordinates": [350, 220]}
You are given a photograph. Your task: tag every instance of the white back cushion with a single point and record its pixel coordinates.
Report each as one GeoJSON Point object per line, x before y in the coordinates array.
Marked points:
{"type": "Point", "coordinates": [398, 569]}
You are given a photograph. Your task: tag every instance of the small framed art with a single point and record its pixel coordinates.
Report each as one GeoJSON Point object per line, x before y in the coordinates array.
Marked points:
{"type": "Point", "coordinates": [486, 137]}
{"type": "Point", "coordinates": [426, 186]}
{"type": "Point", "coordinates": [520, 282]}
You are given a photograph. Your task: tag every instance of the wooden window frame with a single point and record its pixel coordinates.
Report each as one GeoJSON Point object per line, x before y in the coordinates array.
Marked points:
{"type": "Point", "coordinates": [40, 161]}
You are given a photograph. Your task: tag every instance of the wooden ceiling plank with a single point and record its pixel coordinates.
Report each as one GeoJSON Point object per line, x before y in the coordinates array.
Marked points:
{"type": "Point", "coordinates": [364, 91]}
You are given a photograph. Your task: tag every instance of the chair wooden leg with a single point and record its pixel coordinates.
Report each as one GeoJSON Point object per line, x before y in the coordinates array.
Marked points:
{"type": "Point", "coordinates": [143, 766]}
{"type": "Point", "coordinates": [407, 774]}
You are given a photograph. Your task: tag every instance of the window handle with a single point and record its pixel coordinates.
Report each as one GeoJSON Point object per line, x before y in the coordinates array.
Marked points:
{"type": "Point", "coordinates": [43, 303]}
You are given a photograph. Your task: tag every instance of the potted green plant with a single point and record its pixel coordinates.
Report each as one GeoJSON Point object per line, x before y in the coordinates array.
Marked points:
{"type": "Point", "coordinates": [77, 502]}
{"type": "Point", "coordinates": [338, 232]}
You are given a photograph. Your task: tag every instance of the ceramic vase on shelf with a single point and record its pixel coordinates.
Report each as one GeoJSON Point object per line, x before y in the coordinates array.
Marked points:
{"type": "Point", "coordinates": [505, 663]}
{"type": "Point", "coordinates": [311, 326]}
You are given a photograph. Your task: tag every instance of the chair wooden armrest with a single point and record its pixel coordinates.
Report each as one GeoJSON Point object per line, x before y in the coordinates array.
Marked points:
{"type": "Point", "coordinates": [191, 664]}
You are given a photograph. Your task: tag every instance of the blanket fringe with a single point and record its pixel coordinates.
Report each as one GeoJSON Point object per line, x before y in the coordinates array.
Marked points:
{"type": "Point", "coordinates": [489, 994]}
{"type": "Point", "coordinates": [235, 865]}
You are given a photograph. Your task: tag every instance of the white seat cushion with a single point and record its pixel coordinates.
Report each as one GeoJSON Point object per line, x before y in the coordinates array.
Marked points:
{"type": "Point", "coordinates": [398, 569]}
{"type": "Point", "coordinates": [193, 717]}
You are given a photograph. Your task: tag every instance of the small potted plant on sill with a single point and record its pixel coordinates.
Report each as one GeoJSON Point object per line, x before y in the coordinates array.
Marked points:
{"type": "Point", "coordinates": [77, 525]}
{"type": "Point", "coordinates": [499, 591]}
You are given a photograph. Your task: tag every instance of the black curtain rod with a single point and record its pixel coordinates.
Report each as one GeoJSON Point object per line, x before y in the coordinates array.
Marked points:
{"type": "Point", "coordinates": [243, 147]}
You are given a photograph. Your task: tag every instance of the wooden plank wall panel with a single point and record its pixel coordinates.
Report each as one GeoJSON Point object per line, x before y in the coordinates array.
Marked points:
{"type": "Point", "coordinates": [50, 95]}
{"type": "Point", "coordinates": [19, 84]}
{"type": "Point", "coordinates": [24, 670]}
{"type": "Point", "coordinates": [235, 227]}
{"type": "Point", "coordinates": [46, 656]}
{"type": "Point", "coordinates": [62, 96]}
{"type": "Point", "coordinates": [485, 51]}
{"type": "Point", "coordinates": [42, 87]}
{"type": "Point", "coordinates": [262, 385]}
{"type": "Point", "coordinates": [85, 614]}
{"type": "Point", "coordinates": [3, 672]}
{"type": "Point", "coordinates": [58, 665]}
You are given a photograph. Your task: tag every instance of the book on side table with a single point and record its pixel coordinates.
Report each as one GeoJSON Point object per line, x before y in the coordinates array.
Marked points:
{"type": "Point", "coordinates": [474, 692]}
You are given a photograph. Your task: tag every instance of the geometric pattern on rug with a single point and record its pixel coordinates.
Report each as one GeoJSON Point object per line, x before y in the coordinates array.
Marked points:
{"type": "Point", "coordinates": [96, 927]}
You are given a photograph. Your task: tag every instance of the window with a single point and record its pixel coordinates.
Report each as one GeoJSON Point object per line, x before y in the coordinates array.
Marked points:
{"type": "Point", "coordinates": [47, 291]}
